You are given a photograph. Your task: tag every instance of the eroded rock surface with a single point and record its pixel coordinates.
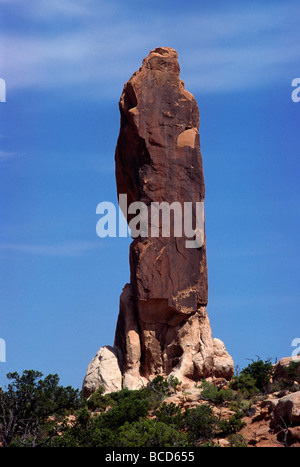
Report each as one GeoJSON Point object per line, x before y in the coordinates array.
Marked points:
{"type": "Point", "coordinates": [163, 327]}
{"type": "Point", "coordinates": [103, 370]}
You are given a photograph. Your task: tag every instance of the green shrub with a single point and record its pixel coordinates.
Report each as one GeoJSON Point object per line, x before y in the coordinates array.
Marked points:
{"type": "Point", "coordinates": [169, 414]}
{"type": "Point", "coordinates": [158, 389]}
{"type": "Point", "coordinates": [293, 370]}
{"type": "Point", "coordinates": [79, 433]}
{"type": "Point", "coordinates": [150, 433]}
{"type": "Point", "coordinates": [27, 404]}
{"type": "Point", "coordinates": [236, 440]}
{"type": "Point", "coordinates": [98, 402]}
{"type": "Point", "coordinates": [244, 384]}
{"type": "Point", "coordinates": [129, 408]}
{"type": "Point", "coordinates": [233, 424]}
{"type": "Point", "coordinates": [289, 379]}
{"type": "Point", "coordinates": [173, 382]}
{"type": "Point", "coordinates": [85, 431]}
{"type": "Point", "coordinates": [245, 405]}
{"type": "Point", "coordinates": [164, 386]}
{"type": "Point", "coordinates": [212, 393]}
{"type": "Point", "coordinates": [261, 372]}
{"type": "Point", "coordinates": [200, 423]}
{"type": "Point", "coordinates": [119, 396]}
{"type": "Point", "coordinates": [209, 444]}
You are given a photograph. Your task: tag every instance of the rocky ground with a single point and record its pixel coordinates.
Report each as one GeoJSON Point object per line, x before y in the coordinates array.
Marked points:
{"type": "Point", "coordinates": [273, 419]}
{"type": "Point", "coordinates": [268, 425]}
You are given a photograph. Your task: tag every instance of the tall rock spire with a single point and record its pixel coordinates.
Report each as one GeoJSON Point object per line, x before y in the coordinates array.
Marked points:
{"type": "Point", "coordinates": [163, 327]}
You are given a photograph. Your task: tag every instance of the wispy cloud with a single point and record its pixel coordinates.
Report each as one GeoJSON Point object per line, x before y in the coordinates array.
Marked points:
{"type": "Point", "coordinates": [256, 301]}
{"type": "Point", "coordinates": [238, 49]}
{"type": "Point", "coordinates": [71, 249]}
{"type": "Point", "coordinates": [4, 155]}
{"type": "Point", "coordinates": [56, 8]}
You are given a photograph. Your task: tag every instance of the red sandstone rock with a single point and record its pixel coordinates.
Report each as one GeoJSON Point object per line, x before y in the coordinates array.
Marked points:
{"type": "Point", "coordinates": [286, 410]}
{"type": "Point", "coordinates": [163, 327]}
{"type": "Point", "coordinates": [281, 369]}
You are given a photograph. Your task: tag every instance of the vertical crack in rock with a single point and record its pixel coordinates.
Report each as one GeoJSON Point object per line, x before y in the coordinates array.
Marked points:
{"type": "Point", "coordinates": [163, 327]}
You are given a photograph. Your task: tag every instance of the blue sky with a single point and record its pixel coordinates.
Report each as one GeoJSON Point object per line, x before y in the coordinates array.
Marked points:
{"type": "Point", "coordinates": [65, 63]}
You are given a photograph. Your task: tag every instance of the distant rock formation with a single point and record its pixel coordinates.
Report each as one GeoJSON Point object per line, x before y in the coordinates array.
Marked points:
{"type": "Point", "coordinates": [163, 327]}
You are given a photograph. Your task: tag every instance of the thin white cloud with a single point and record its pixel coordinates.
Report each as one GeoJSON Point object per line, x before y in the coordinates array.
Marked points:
{"type": "Point", "coordinates": [4, 155]}
{"type": "Point", "coordinates": [39, 9]}
{"type": "Point", "coordinates": [218, 51]}
{"type": "Point", "coordinates": [264, 300]}
{"type": "Point", "coordinates": [71, 249]}
{"type": "Point", "coordinates": [58, 8]}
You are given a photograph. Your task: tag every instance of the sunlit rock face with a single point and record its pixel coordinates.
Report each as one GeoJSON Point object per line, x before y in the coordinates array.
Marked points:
{"type": "Point", "coordinates": [163, 327]}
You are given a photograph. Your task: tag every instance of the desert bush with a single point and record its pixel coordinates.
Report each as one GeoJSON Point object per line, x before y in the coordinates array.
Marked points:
{"type": "Point", "coordinates": [129, 408]}
{"type": "Point", "coordinates": [98, 401]}
{"type": "Point", "coordinates": [244, 384]}
{"type": "Point", "coordinates": [27, 405]}
{"type": "Point", "coordinates": [164, 386]}
{"type": "Point", "coordinates": [256, 375]}
{"type": "Point", "coordinates": [233, 424]}
{"type": "Point", "coordinates": [245, 405]}
{"type": "Point", "coordinates": [150, 433]}
{"type": "Point", "coordinates": [200, 423]}
{"type": "Point", "coordinates": [293, 370]}
{"type": "Point", "coordinates": [169, 414]}
{"type": "Point", "coordinates": [236, 440]}
{"type": "Point", "coordinates": [215, 395]}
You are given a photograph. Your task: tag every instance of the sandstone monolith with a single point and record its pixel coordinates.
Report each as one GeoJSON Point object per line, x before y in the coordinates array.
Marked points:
{"type": "Point", "coordinates": [163, 327]}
